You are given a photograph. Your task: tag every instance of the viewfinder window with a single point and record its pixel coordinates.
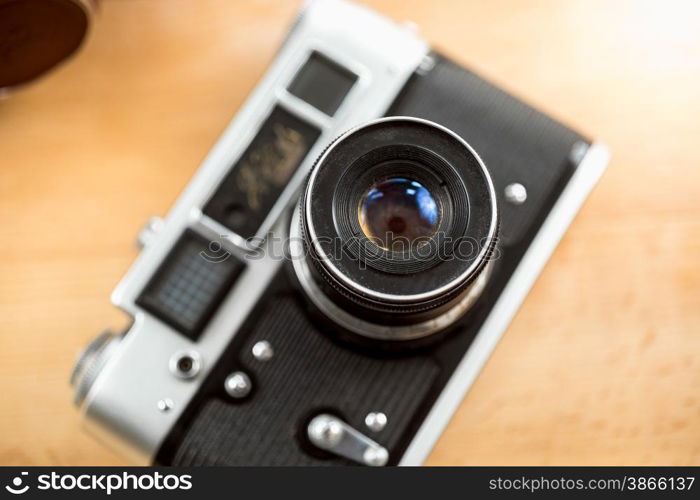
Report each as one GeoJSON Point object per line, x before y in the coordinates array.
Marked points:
{"type": "Point", "coordinates": [322, 83]}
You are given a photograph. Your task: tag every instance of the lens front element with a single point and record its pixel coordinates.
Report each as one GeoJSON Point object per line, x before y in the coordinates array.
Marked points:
{"type": "Point", "coordinates": [396, 213]}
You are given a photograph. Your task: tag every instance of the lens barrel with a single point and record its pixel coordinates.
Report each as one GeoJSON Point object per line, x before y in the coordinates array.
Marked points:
{"type": "Point", "coordinates": [397, 225]}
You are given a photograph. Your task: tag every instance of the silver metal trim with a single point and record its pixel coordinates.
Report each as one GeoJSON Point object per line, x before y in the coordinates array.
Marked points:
{"type": "Point", "coordinates": [565, 209]}
{"type": "Point", "coordinates": [418, 297]}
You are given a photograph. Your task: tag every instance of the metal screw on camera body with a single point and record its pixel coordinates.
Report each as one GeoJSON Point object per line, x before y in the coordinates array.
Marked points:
{"type": "Point", "coordinates": [325, 431]}
{"type": "Point", "coordinates": [578, 151]}
{"type": "Point", "coordinates": [515, 193]}
{"type": "Point", "coordinates": [165, 405]}
{"type": "Point", "coordinates": [238, 385]}
{"type": "Point", "coordinates": [185, 364]}
{"type": "Point", "coordinates": [262, 350]}
{"type": "Point", "coordinates": [376, 421]}
{"type": "Point", "coordinates": [149, 231]}
{"type": "Point", "coordinates": [376, 457]}
{"type": "Point", "coordinates": [426, 65]}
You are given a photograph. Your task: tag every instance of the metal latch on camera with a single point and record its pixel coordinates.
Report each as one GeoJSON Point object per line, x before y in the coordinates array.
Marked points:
{"type": "Point", "coordinates": [332, 434]}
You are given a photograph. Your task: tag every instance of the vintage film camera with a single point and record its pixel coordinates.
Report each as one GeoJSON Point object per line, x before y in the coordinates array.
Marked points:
{"type": "Point", "coordinates": [274, 320]}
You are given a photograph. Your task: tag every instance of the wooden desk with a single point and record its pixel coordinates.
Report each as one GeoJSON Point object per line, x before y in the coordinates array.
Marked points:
{"type": "Point", "coordinates": [601, 365]}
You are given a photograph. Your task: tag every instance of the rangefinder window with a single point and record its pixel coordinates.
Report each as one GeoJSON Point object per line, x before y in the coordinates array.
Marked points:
{"type": "Point", "coordinates": [322, 83]}
{"type": "Point", "coordinates": [190, 284]}
{"type": "Point", "coordinates": [246, 195]}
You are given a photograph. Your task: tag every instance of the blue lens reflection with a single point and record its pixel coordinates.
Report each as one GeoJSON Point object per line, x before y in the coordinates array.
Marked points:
{"type": "Point", "coordinates": [398, 208]}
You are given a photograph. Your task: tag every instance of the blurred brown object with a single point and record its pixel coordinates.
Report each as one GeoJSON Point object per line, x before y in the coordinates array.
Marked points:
{"type": "Point", "coordinates": [36, 35]}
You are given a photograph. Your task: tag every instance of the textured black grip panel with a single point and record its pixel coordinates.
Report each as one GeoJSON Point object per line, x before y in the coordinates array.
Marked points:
{"type": "Point", "coordinates": [516, 142]}
{"type": "Point", "coordinates": [308, 374]}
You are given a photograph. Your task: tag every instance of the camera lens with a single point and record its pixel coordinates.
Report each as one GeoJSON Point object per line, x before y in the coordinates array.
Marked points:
{"type": "Point", "coordinates": [396, 228]}
{"type": "Point", "coordinates": [398, 209]}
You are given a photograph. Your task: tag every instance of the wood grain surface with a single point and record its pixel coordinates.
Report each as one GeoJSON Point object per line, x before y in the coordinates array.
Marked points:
{"type": "Point", "coordinates": [602, 363]}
